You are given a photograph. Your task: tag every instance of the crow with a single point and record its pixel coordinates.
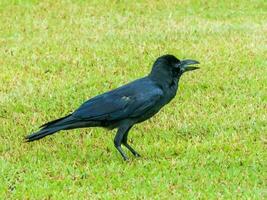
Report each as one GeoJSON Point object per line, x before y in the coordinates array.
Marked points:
{"type": "Point", "coordinates": [127, 105]}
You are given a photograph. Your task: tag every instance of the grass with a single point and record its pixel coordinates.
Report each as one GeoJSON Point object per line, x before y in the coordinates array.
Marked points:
{"type": "Point", "coordinates": [208, 143]}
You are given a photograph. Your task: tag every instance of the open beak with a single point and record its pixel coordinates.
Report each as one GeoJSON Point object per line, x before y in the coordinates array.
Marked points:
{"type": "Point", "coordinates": [185, 64]}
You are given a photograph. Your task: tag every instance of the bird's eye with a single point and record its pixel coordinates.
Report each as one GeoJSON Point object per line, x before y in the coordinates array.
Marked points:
{"type": "Point", "coordinates": [176, 71]}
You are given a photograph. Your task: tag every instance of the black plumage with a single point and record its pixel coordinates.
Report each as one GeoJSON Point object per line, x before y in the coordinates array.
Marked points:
{"type": "Point", "coordinates": [127, 105]}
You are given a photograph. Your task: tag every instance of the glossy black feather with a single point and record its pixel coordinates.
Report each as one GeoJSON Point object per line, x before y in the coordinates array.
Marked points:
{"type": "Point", "coordinates": [123, 102]}
{"type": "Point", "coordinates": [125, 106]}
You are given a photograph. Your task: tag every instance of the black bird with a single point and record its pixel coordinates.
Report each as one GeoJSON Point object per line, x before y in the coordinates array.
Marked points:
{"type": "Point", "coordinates": [127, 105]}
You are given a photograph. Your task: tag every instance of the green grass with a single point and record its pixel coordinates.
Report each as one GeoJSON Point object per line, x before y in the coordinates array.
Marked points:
{"type": "Point", "coordinates": [208, 143]}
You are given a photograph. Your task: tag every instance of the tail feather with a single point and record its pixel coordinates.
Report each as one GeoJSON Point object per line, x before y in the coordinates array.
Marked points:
{"type": "Point", "coordinates": [64, 123]}
{"type": "Point", "coordinates": [54, 121]}
{"type": "Point", "coordinates": [42, 133]}
{"type": "Point", "coordinates": [51, 127]}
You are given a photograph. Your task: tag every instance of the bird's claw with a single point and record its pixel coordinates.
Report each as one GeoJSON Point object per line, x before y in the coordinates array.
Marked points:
{"type": "Point", "coordinates": [137, 155]}
{"type": "Point", "coordinates": [126, 159]}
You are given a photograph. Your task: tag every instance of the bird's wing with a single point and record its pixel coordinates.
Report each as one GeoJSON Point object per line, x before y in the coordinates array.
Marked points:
{"type": "Point", "coordinates": [128, 101]}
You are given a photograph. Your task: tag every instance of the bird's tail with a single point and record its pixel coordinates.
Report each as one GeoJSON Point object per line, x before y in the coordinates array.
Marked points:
{"type": "Point", "coordinates": [49, 128]}
{"type": "Point", "coordinates": [42, 133]}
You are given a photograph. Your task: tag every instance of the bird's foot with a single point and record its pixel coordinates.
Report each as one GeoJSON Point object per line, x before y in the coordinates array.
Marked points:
{"type": "Point", "coordinates": [126, 159]}
{"type": "Point", "coordinates": [137, 154]}
{"type": "Point", "coordinates": [132, 150]}
{"type": "Point", "coordinates": [118, 147]}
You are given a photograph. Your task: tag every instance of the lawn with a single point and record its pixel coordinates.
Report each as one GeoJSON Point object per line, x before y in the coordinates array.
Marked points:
{"type": "Point", "coordinates": [208, 143]}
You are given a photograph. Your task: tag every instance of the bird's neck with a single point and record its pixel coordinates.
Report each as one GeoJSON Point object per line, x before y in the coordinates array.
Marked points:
{"type": "Point", "coordinates": [165, 82]}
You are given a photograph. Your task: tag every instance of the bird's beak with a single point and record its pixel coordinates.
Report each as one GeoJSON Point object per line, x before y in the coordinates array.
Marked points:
{"type": "Point", "coordinates": [185, 64]}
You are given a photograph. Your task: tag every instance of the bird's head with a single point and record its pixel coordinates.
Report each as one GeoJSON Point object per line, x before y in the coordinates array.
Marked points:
{"type": "Point", "coordinates": [168, 67]}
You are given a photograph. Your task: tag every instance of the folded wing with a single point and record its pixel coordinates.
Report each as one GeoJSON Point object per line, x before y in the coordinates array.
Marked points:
{"type": "Point", "coordinates": [125, 102]}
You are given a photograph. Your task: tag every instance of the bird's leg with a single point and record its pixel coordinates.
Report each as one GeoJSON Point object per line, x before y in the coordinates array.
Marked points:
{"type": "Point", "coordinates": [118, 140]}
{"type": "Point", "coordinates": [125, 143]}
